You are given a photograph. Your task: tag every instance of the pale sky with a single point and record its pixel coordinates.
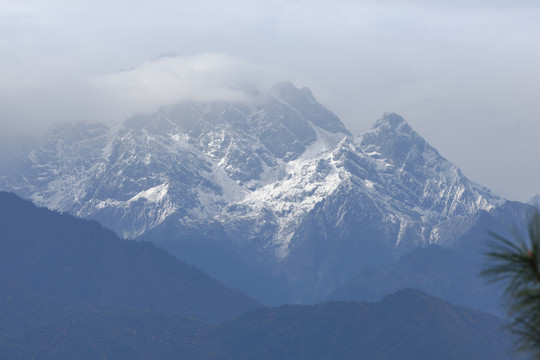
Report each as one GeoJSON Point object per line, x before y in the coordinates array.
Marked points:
{"type": "Point", "coordinates": [464, 74]}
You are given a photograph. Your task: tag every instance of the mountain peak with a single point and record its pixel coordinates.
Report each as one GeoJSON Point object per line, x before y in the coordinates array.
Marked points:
{"type": "Point", "coordinates": [305, 104]}
{"type": "Point", "coordinates": [286, 90]}
{"type": "Point", "coordinates": [392, 137]}
{"type": "Point", "coordinates": [392, 122]}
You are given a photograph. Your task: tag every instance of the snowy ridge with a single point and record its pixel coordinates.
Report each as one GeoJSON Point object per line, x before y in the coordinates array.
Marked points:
{"type": "Point", "coordinates": [308, 180]}
{"type": "Point", "coordinates": [429, 189]}
{"type": "Point", "coordinates": [154, 194]}
{"type": "Point", "coordinates": [284, 180]}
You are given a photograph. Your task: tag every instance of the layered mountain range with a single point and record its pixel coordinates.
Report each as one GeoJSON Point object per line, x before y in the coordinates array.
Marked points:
{"type": "Point", "coordinates": [78, 261]}
{"type": "Point", "coordinates": [275, 197]}
{"type": "Point", "coordinates": [70, 288]}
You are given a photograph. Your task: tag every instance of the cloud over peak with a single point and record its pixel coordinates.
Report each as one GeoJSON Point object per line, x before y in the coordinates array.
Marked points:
{"type": "Point", "coordinates": [170, 78]}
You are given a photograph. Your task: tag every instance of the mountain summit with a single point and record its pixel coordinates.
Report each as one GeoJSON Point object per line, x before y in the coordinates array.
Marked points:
{"type": "Point", "coordinates": [277, 198]}
{"type": "Point", "coordinates": [394, 139]}
{"type": "Point", "coordinates": [303, 101]}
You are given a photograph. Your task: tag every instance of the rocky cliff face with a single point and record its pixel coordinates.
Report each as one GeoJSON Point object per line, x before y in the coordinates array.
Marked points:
{"type": "Point", "coordinates": [276, 189]}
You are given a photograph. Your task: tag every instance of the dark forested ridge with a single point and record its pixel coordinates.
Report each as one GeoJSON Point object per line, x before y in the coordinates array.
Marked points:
{"type": "Point", "coordinates": [71, 259]}
{"type": "Point", "coordinates": [36, 327]}
{"type": "Point", "coordinates": [71, 289]}
{"type": "Point", "coordinates": [406, 325]}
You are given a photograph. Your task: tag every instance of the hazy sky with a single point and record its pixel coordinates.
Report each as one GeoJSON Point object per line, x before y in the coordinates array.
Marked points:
{"type": "Point", "coordinates": [464, 74]}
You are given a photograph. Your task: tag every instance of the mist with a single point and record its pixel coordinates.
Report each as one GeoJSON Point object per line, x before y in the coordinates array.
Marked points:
{"type": "Point", "coordinates": [465, 75]}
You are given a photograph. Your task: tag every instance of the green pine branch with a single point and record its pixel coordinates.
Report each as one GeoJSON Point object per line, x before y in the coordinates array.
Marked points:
{"type": "Point", "coordinates": [516, 265]}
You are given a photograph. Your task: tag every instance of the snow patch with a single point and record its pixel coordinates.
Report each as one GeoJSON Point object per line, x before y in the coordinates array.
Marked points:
{"type": "Point", "coordinates": [154, 194]}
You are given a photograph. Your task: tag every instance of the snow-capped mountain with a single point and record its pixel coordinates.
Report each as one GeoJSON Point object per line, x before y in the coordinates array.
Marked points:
{"type": "Point", "coordinates": [279, 185]}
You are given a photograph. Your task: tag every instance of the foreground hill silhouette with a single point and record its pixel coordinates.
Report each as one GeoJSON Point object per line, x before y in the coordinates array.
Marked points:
{"type": "Point", "coordinates": [71, 289]}
{"type": "Point", "coordinates": [36, 327]}
{"type": "Point", "coordinates": [71, 259]}
{"type": "Point", "coordinates": [406, 325]}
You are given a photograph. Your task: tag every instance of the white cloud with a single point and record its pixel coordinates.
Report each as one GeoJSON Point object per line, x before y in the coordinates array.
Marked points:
{"type": "Point", "coordinates": [170, 79]}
